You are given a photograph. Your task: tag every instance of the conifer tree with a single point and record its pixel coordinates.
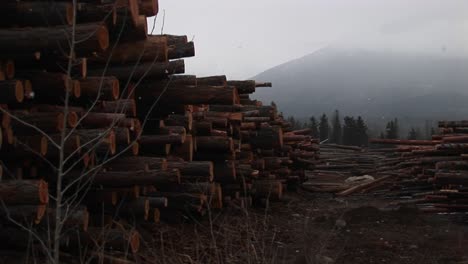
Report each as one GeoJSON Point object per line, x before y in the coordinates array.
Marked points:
{"type": "Point", "coordinates": [324, 127]}
{"type": "Point", "coordinates": [313, 125]}
{"type": "Point", "coordinates": [361, 131]}
{"type": "Point", "coordinates": [336, 128]}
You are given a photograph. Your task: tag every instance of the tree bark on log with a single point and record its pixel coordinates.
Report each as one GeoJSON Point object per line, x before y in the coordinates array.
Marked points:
{"type": "Point", "coordinates": [102, 88]}
{"type": "Point", "coordinates": [24, 192]}
{"type": "Point", "coordinates": [11, 92]}
{"type": "Point", "coordinates": [143, 70]}
{"type": "Point", "coordinates": [125, 179]}
{"type": "Point", "coordinates": [36, 14]}
{"type": "Point", "coordinates": [90, 38]}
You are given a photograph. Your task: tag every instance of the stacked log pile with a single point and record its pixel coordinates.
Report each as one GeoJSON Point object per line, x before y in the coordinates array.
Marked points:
{"type": "Point", "coordinates": [338, 166]}
{"type": "Point", "coordinates": [429, 173]}
{"type": "Point", "coordinates": [128, 140]}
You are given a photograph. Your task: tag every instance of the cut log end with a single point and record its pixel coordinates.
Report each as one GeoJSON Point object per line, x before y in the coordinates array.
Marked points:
{"type": "Point", "coordinates": [44, 146]}
{"type": "Point", "coordinates": [134, 241]}
{"type": "Point", "coordinates": [28, 90]}
{"type": "Point", "coordinates": [135, 148]}
{"type": "Point", "coordinates": [43, 189]}
{"type": "Point", "coordinates": [76, 91]}
{"type": "Point", "coordinates": [72, 119]}
{"type": "Point", "coordinates": [19, 91]}
{"type": "Point", "coordinates": [103, 37]}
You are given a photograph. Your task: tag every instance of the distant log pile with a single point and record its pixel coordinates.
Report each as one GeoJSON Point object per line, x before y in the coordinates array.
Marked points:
{"type": "Point", "coordinates": [132, 141]}
{"type": "Point", "coordinates": [433, 174]}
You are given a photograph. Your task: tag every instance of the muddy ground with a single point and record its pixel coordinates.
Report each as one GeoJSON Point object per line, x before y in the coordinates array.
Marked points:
{"type": "Point", "coordinates": [363, 229]}
{"type": "Point", "coordinates": [316, 228]}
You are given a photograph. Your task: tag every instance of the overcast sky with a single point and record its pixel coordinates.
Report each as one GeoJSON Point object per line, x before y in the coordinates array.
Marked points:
{"type": "Point", "coordinates": [241, 38]}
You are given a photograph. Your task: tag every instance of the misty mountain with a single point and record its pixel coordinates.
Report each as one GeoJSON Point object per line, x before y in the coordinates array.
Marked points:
{"type": "Point", "coordinates": [377, 85]}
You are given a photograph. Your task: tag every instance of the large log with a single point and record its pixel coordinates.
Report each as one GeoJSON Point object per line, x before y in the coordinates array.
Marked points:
{"type": "Point", "coordinates": [36, 14]}
{"type": "Point", "coordinates": [268, 138]}
{"type": "Point", "coordinates": [186, 149]}
{"type": "Point", "coordinates": [11, 91]}
{"type": "Point", "coordinates": [403, 142]}
{"type": "Point", "coordinates": [219, 80]}
{"type": "Point", "coordinates": [149, 7]}
{"type": "Point", "coordinates": [51, 87]}
{"type": "Point", "coordinates": [187, 94]}
{"type": "Point", "coordinates": [180, 120]}
{"type": "Point", "coordinates": [244, 87]}
{"type": "Point", "coordinates": [194, 168]}
{"type": "Point", "coordinates": [125, 106]}
{"type": "Point", "coordinates": [100, 140]}
{"type": "Point", "coordinates": [147, 141]}
{"type": "Point", "coordinates": [214, 143]}
{"type": "Point", "coordinates": [102, 88]}
{"type": "Point", "coordinates": [24, 192]}
{"type": "Point", "coordinates": [23, 213]}
{"type": "Point", "coordinates": [143, 70]}
{"type": "Point", "coordinates": [137, 163]}
{"type": "Point", "coordinates": [153, 49]}
{"type": "Point", "coordinates": [46, 121]}
{"type": "Point", "coordinates": [102, 120]}
{"type": "Point", "coordinates": [181, 50]}
{"type": "Point", "coordinates": [124, 179]}
{"type": "Point", "coordinates": [90, 38]}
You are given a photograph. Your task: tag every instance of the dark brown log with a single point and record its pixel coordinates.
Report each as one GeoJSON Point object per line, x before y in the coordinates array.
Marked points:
{"type": "Point", "coordinates": [123, 179]}
{"type": "Point", "coordinates": [194, 168]}
{"type": "Point", "coordinates": [212, 80]}
{"type": "Point", "coordinates": [101, 120]}
{"type": "Point", "coordinates": [182, 201]}
{"type": "Point", "coordinates": [454, 146]}
{"type": "Point", "coordinates": [153, 49]}
{"type": "Point", "coordinates": [23, 213]}
{"type": "Point", "coordinates": [139, 71]}
{"type": "Point", "coordinates": [181, 50]}
{"type": "Point", "coordinates": [128, 30]}
{"type": "Point", "coordinates": [32, 145]}
{"type": "Point", "coordinates": [136, 164]}
{"type": "Point", "coordinates": [180, 120]}
{"type": "Point", "coordinates": [11, 92]}
{"type": "Point", "coordinates": [36, 14]}
{"type": "Point", "coordinates": [268, 138]}
{"type": "Point", "coordinates": [404, 142]}
{"type": "Point", "coordinates": [147, 141]}
{"type": "Point", "coordinates": [125, 106]}
{"type": "Point", "coordinates": [90, 38]}
{"type": "Point", "coordinates": [186, 94]}
{"type": "Point", "coordinates": [7, 67]}
{"type": "Point", "coordinates": [217, 122]}
{"type": "Point", "coordinates": [175, 40]}
{"type": "Point", "coordinates": [263, 84]}
{"type": "Point", "coordinates": [186, 149]}
{"type": "Point", "coordinates": [24, 192]}
{"type": "Point", "coordinates": [138, 208]}
{"type": "Point", "coordinates": [122, 136]}
{"type": "Point", "coordinates": [462, 123]}
{"type": "Point", "coordinates": [257, 119]}
{"type": "Point", "coordinates": [149, 7]}
{"type": "Point", "coordinates": [444, 178]}
{"type": "Point", "coordinates": [100, 140]}
{"type": "Point", "coordinates": [102, 88]}
{"type": "Point", "coordinates": [213, 143]}
{"type": "Point", "coordinates": [78, 217]}
{"type": "Point", "coordinates": [48, 122]}
{"type": "Point", "coordinates": [51, 87]}
{"type": "Point", "coordinates": [168, 130]}
{"type": "Point", "coordinates": [203, 128]}
{"type": "Point", "coordinates": [244, 87]}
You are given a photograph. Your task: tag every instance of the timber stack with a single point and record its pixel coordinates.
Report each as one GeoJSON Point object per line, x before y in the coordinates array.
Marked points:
{"type": "Point", "coordinates": [429, 173]}
{"type": "Point", "coordinates": [129, 139]}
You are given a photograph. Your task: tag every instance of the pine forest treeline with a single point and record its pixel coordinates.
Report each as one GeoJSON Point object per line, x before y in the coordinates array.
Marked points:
{"type": "Point", "coordinates": [351, 130]}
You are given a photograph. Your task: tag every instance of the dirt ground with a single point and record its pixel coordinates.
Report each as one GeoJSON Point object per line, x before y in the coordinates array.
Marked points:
{"type": "Point", "coordinates": [366, 230]}
{"type": "Point", "coordinates": [317, 229]}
